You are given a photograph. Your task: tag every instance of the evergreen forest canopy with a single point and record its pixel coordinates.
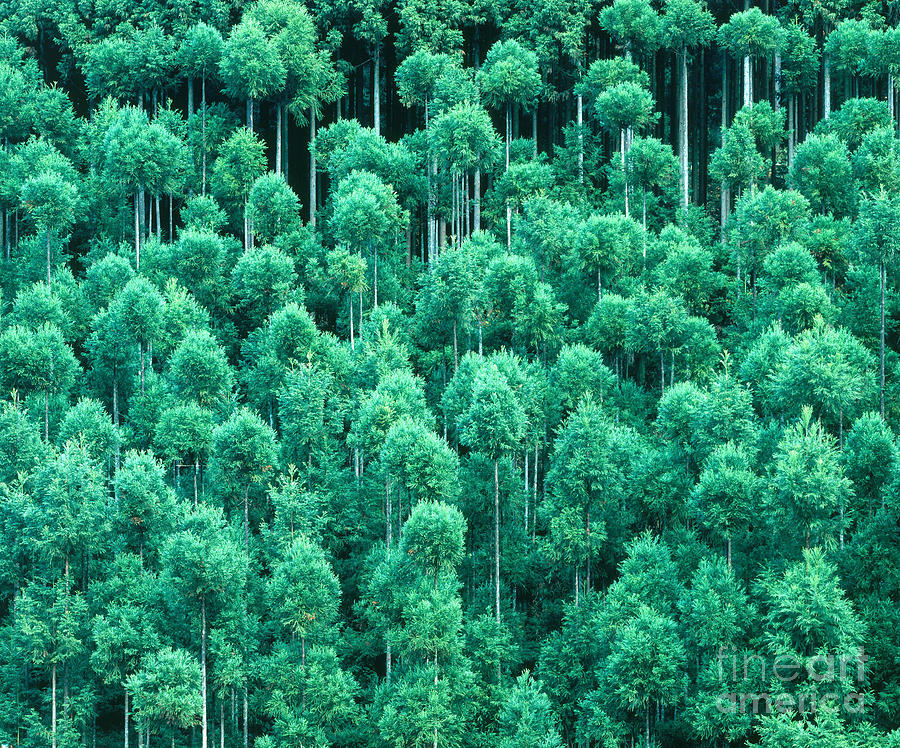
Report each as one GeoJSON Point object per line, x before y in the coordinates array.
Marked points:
{"type": "Point", "coordinates": [447, 373]}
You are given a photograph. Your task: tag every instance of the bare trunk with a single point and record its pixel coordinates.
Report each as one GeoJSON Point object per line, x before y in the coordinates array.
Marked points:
{"type": "Point", "coordinates": [203, 135]}
{"type": "Point", "coordinates": [376, 89]}
{"type": "Point", "coordinates": [137, 229]}
{"type": "Point", "coordinates": [246, 518]}
{"type": "Point", "coordinates": [508, 206]}
{"type": "Point", "coordinates": [748, 82]}
{"type": "Point", "coordinates": [580, 120]}
{"type": "Point", "coordinates": [622, 148]}
{"type": "Point", "coordinates": [683, 132]}
{"type": "Point", "coordinates": [203, 726]}
{"type": "Point", "coordinates": [497, 540]}
{"type": "Point", "coordinates": [826, 88]}
{"type": "Point", "coordinates": [881, 341]}
{"type": "Point", "coordinates": [278, 136]}
{"type": "Point", "coordinates": [53, 705]}
{"type": "Point", "coordinates": [312, 166]}
{"type": "Point", "coordinates": [476, 203]}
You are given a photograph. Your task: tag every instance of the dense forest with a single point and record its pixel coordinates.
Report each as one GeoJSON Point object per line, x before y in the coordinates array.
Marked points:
{"type": "Point", "coordinates": [449, 373]}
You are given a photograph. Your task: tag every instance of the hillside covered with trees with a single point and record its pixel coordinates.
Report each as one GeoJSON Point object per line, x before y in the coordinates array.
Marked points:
{"type": "Point", "coordinates": [449, 373]}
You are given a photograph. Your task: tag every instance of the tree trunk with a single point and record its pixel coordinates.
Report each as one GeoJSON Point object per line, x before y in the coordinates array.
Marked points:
{"type": "Point", "coordinates": [376, 89]}
{"type": "Point", "coordinates": [683, 132]}
{"type": "Point", "coordinates": [508, 206]}
{"type": "Point", "coordinates": [53, 704]}
{"type": "Point", "coordinates": [476, 202]}
{"type": "Point", "coordinates": [580, 120]}
{"type": "Point", "coordinates": [497, 539]}
{"type": "Point", "coordinates": [375, 277]}
{"type": "Point", "coordinates": [351, 321]}
{"type": "Point", "coordinates": [137, 229]}
{"type": "Point", "coordinates": [748, 82]}
{"type": "Point", "coordinates": [203, 727]}
{"type": "Point", "coordinates": [126, 717]}
{"type": "Point", "coordinates": [190, 95]}
{"type": "Point", "coordinates": [203, 136]}
{"type": "Point", "coordinates": [48, 257]}
{"type": "Point", "coordinates": [387, 512]}
{"type": "Point", "coordinates": [826, 88]}
{"type": "Point", "coordinates": [647, 725]}
{"type": "Point", "coordinates": [881, 341]}
{"type": "Point", "coordinates": [312, 166]}
{"type": "Point", "coordinates": [279, 114]}
{"type": "Point", "coordinates": [246, 518]}
{"type": "Point", "coordinates": [622, 148]}
{"type": "Point", "coordinates": [792, 127]}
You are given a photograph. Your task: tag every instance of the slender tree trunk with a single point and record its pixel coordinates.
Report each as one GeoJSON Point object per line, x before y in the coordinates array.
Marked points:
{"type": "Point", "coordinates": [376, 89]}
{"type": "Point", "coordinates": [312, 166]}
{"type": "Point", "coordinates": [246, 726]}
{"type": "Point", "coordinates": [286, 147]}
{"type": "Point", "coordinates": [890, 97]}
{"type": "Point", "coordinates": [222, 723]}
{"type": "Point", "coordinates": [246, 228]}
{"type": "Point", "coordinates": [204, 725]}
{"type": "Point", "coordinates": [246, 518]}
{"type": "Point", "coordinates": [497, 539]}
{"type": "Point", "coordinates": [351, 321]}
{"type": "Point", "coordinates": [625, 177]}
{"type": "Point", "coordinates": [53, 705]}
{"type": "Point", "coordinates": [48, 257]}
{"type": "Point", "coordinates": [682, 132]}
{"type": "Point", "coordinates": [725, 198]}
{"type": "Point", "coordinates": [126, 716]}
{"type": "Point", "coordinates": [203, 135]}
{"type": "Point", "coordinates": [647, 725]}
{"type": "Point", "coordinates": [580, 120]}
{"type": "Point", "coordinates": [748, 82]}
{"type": "Point", "coordinates": [387, 512]}
{"type": "Point", "coordinates": [881, 341]}
{"type": "Point", "coordinates": [375, 277]}
{"type": "Point", "coordinates": [137, 229]}
{"type": "Point", "coordinates": [190, 95]}
{"type": "Point", "coordinates": [826, 87]}
{"type": "Point", "coordinates": [508, 206]}
{"type": "Point", "coordinates": [278, 137]}
{"type": "Point", "coordinates": [476, 202]}
{"type": "Point", "coordinates": [792, 126]}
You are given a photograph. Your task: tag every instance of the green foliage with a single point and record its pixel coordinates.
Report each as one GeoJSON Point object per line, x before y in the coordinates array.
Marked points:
{"type": "Point", "coordinates": [326, 431]}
